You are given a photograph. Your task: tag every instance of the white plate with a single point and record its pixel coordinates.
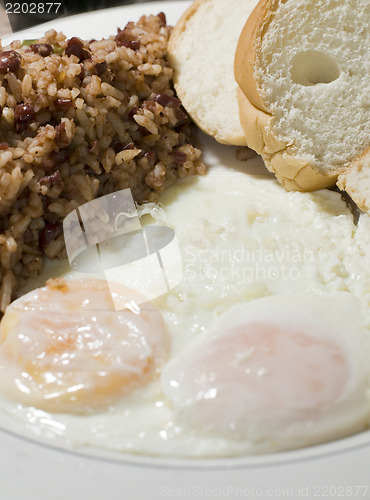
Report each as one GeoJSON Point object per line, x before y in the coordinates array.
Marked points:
{"type": "Point", "coordinates": [33, 471]}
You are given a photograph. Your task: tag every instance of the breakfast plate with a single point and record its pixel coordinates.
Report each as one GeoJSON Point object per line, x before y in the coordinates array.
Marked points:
{"type": "Point", "coordinates": [38, 466]}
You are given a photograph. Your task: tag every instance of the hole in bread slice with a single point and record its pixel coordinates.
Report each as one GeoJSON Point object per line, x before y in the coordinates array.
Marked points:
{"type": "Point", "coordinates": [313, 67]}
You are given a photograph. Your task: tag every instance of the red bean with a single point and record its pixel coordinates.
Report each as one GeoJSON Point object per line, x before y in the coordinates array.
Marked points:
{"type": "Point", "coordinates": [126, 39]}
{"type": "Point", "coordinates": [10, 60]}
{"type": "Point", "coordinates": [63, 103]}
{"type": "Point", "coordinates": [61, 137]}
{"type": "Point", "coordinates": [152, 157]}
{"type": "Point", "coordinates": [162, 18]}
{"type": "Point", "coordinates": [44, 49]}
{"type": "Point", "coordinates": [133, 112]}
{"type": "Point", "coordinates": [167, 101]}
{"type": "Point", "coordinates": [75, 47]}
{"type": "Point", "coordinates": [143, 131]}
{"type": "Point", "coordinates": [101, 67]}
{"type": "Point", "coordinates": [179, 156]}
{"type": "Point", "coordinates": [52, 179]}
{"type": "Point", "coordinates": [50, 233]}
{"type": "Point", "coordinates": [181, 116]}
{"type": "Point", "coordinates": [24, 114]}
{"type": "Point", "coordinates": [83, 72]}
{"type": "Point", "coordinates": [116, 145]}
{"type": "Point", "coordinates": [130, 44]}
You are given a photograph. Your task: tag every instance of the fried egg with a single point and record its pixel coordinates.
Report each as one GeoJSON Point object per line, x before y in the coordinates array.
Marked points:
{"type": "Point", "coordinates": [263, 346]}
{"type": "Point", "coordinates": [278, 372]}
{"type": "Point", "coordinates": [64, 347]}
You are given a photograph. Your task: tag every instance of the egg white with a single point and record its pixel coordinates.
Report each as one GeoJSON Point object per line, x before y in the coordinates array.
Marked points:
{"type": "Point", "coordinates": [242, 238]}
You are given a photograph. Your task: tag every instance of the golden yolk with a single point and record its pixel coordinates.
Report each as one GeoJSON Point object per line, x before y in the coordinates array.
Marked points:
{"type": "Point", "coordinates": [68, 350]}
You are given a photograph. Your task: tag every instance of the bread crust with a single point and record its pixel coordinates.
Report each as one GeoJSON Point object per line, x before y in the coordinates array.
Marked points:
{"type": "Point", "coordinates": [246, 53]}
{"type": "Point", "coordinates": [355, 179]}
{"type": "Point", "coordinates": [292, 173]}
{"type": "Point", "coordinates": [223, 136]}
{"type": "Point", "coordinates": [257, 122]}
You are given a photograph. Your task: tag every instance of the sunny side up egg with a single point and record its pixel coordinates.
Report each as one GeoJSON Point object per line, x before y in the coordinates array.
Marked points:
{"type": "Point", "coordinates": [234, 360]}
{"type": "Point", "coordinates": [278, 372]}
{"type": "Point", "coordinates": [64, 347]}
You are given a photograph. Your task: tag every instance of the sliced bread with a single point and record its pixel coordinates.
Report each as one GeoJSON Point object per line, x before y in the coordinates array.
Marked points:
{"type": "Point", "coordinates": [303, 70]}
{"type": "Point", "coordinates": [201, 51]}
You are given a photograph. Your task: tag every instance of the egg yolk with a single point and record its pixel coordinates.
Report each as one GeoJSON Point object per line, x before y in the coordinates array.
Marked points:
{"type": "Point", "coordinates": [257, 374]}
{"type": "Point", "coordinates": [66, 349]}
